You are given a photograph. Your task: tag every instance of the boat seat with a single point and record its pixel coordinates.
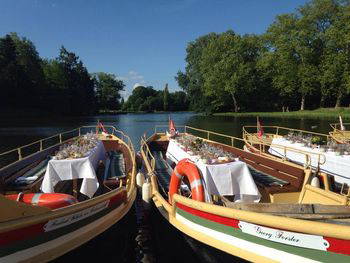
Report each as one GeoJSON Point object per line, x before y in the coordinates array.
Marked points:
{"type": "Point", "coordinates": [29, 178]}
{"type": "Point", "coordinates": [162, 169]}
{"type": "Point", "coordinates": [116, 170]}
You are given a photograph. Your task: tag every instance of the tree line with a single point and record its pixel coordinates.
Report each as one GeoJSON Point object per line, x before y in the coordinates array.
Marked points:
{"type": "Point", "coordinates": [148, 99]}
{"type": "Point", "coordinates": [61, 85]}
{"type": "Point", "coordinates": [301, 61]}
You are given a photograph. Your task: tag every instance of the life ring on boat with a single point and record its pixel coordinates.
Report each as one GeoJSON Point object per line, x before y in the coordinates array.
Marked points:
{"type": "Point", "coordinates": [49, 200]}
{"type": "Point", "coordinates": [185, 168]}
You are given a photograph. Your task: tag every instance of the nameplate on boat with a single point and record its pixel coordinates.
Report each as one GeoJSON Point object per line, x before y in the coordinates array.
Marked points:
{"type": "Point", "coordinates": [285, 237]}
{"type": "Point", "coordinates": [72, 218]}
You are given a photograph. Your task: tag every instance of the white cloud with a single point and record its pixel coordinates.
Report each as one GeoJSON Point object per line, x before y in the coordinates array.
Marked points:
{"type": "Point", "coordinates": [132, 80]}
{"type": "Point", "coordinates": [136, 85]}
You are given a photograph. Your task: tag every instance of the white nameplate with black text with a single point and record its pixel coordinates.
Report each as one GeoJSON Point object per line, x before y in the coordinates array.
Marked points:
{"type": "Point", "coordinates": [285, 237]}
{"type": "Point", "coordinates": [72, 218]}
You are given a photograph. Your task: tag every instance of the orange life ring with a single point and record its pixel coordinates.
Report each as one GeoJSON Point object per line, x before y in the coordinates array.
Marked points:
{"type": "Point", "coordinates": [186, 168]}
{"type": "Point", "coordinates": [50, 200]}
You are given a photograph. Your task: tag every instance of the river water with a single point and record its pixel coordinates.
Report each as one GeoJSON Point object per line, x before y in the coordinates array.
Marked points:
{"type": "Point", "coordinates": [21, 131]}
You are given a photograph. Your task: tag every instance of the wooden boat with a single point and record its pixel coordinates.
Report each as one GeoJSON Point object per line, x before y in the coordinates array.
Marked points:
{"type": "Point", "coordinates": [293, 222]}
{"type": "Point", "coordinates": [37, 226]}
{"type": "Point", "coordinates": [332, 158]}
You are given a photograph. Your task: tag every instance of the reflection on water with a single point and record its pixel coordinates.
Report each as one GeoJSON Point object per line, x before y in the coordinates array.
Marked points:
{"type": "Point", "coordinates": [17, 132]}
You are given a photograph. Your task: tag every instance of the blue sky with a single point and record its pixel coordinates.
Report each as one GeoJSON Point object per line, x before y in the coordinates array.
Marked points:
{"type": "Point", "coordinates": [140, 41]}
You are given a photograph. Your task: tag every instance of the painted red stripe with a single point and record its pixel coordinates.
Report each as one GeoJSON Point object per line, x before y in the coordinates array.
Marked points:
{"type": "Point", "coordinates": [336, 245]}
{"type": "Point", "coordinates": [21, 234]}
{"type": "Point", "coordinates": [118, 199]}
{"type": "Point", "coordinates": [212, 217]}
{"type": "Point", "coordinates": [339, 246]}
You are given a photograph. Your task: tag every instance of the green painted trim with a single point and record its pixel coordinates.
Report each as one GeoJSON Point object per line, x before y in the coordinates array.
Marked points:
{"type": "Point", "coordinates": [319, 255]}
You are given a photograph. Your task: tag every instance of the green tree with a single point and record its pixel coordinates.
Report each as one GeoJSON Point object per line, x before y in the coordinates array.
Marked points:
{"type": "Point", "coordinates": [335, 62]}
{"type": "Point", "coordinates": [80, 83]}
{"type": "Point", "coordinates": [31, 70]}
{"type": "Point", "coordinates": [228, 65]}
{"type": "Point", "coordinates": [166, 98]}
{"type": "Point", "coordinates": [10, 74]}
{"type": "Point", "coordinates": [108, 89]}
{"type": "Point", "coordinates": [191, 81]}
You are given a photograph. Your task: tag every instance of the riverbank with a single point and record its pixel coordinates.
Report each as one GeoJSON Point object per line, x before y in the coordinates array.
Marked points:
{"type": "Point", "coordinates": [111, 112]}
{"type": "Point", "coordinates": [322, 113]}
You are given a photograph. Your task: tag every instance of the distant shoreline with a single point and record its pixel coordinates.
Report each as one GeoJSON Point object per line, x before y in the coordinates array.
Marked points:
{"type": "Point", "coordinates": [137, 112]}
{"type": "Point", "coordinates": [34, 113]}
{"type": "Point", "coordinates": [322, 113]}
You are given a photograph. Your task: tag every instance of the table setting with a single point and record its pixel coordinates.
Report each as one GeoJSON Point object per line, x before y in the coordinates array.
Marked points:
{"type": "Point", "coordinates": [76, 159]}
{"type": "Point", "coordinates": [222, 173]}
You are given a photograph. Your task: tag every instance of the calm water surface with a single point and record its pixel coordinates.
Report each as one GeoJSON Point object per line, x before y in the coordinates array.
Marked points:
{"type": "Point", "coordinates": [20, 131]}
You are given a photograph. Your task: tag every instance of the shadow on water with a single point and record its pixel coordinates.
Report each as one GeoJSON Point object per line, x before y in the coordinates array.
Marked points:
{"type": "Point", "coordinates": [113, 245]}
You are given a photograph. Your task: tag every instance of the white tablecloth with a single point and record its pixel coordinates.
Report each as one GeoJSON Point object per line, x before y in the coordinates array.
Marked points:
{"type": "Point", "coordinates": [232, 178]}
{"type": "Point", "coordinates": [59, 170]}
{"type": "Point", "coordinates": [336, 165]}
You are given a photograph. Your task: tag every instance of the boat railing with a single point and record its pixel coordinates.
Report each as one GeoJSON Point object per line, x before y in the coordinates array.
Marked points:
{"type": "Point", "coordinates": [147, 152]}
{"type": "Point", "coordinates": [164, 128]}
{"type": "Point", "coordinates": [337, 126]}
{"type": "Point", "coordinates": [263, 143]}
{"type": "Point", "coordinates": [340, 134]}
{"type": "Point", "coordinates": [9, 157]}
{"type": "Point", "coordinates": [233, 141]}
{"type": "Point", "coordinates": [281, 130]}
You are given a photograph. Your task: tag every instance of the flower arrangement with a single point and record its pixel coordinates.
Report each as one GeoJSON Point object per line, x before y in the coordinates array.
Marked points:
{"type": "Point", "coordinates": [78, 148]}
{"type": "Point", "coordinates": [206, 152]}
{"type": "Point", "coordinates": [323, 144]}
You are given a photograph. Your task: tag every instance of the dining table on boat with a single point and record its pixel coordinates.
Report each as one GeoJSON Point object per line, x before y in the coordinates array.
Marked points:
{"type": "Point", "coordinates": [334, 163]}
{"type": "Point", "coordinates": [68, 169]}
{"type": "Point", "coordinates": [224, 179]}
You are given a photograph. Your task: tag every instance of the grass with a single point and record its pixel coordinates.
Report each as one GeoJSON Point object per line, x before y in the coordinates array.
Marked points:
{"type": "Point", "coordinates": [321, 113]}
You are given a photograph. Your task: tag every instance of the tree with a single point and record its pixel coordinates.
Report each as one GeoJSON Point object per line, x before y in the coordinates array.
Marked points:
{"type": "Point", "coordinates": [166, 98]}
{"type": "Point", "coordinates": [79, 82]}
{"type": "Point", "coordinates": [192, 80]}
{"type": "Point", "coordinates": [32, 72]}
{"type": "Point", "coordinates": [108, 89]}
{"type": "Point", "coordinates": [335, 62]}
{"type": "Point", "coordinates": [178, 101]}
{"type": "Point", "coordinates": [228, 65]}
{"type": "Point", "coordinates": [9, 72]}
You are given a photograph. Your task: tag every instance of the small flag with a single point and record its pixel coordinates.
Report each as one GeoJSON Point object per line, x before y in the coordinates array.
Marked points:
{"type": "Point", "coordinates": [102, 127]}
{"type": "Point", "coordinates": [171, 125]}
{"type": "Point", "coordinates": [342, 128]}
{"type": "Point", "coordinates": [259, 128]}
{"type": "Point", "coordinates": [172, 129]}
